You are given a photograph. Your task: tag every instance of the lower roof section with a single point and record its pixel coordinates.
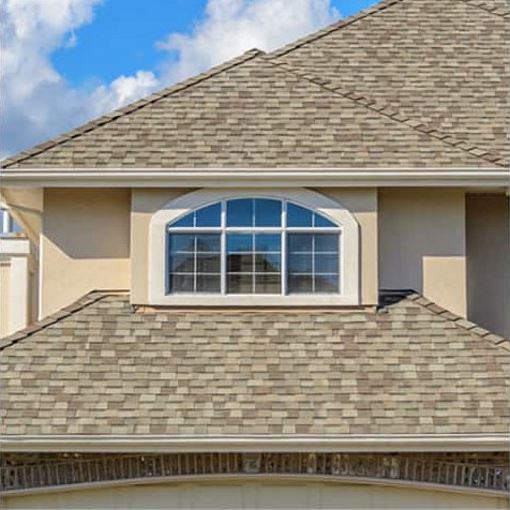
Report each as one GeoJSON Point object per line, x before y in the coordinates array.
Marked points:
{"type": "Point", "coordinates": [102, 368]}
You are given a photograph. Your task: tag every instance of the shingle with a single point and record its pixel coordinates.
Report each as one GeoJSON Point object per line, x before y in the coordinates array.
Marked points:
{"type": "Point", "coordinates": [106, 369]}
{"type": "Point", "coordinates": [410, 83]}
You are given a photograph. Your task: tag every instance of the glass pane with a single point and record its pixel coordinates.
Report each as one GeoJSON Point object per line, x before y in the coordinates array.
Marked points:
{"type": "Point", "coordinates": [240, 212]}
{"type": "Point", "coordinates": [298, 216]}
{"type": "Point", "coordinates": [186, 221]}
{"type": "Point", "coordinates": [300, 243]}
{"type": "Point", "coordinates": [268, 242]}
{"type": "Point", "coordinates": [240, 263]}
{"type": "Point", "coordinates": [326, 283]}
{"type": "Point", "coordinates": [209, 242]}
{"type": "Point", "coordinates": [321, 221]}
{"type": "Point", "coordinates": [209, 216]}
{"type": "Point", "coordinates": [182, 242]}
{"type": "Point", "coordinates": [239, 243]}
{"type": "Point", "coordinates": [208, 282]}
{"type": "Point", "coordinates": [267, 284]}
{"type": "Point", "coordinates": [239, 283]}
{"type": "Point", "coordinates": [267, 262]}
{"type": "Point", "coordinates": [182, 263]}
{"type": "Point", "coordinates": [268, 213]}
{"type": "Point", "coordinates": [300, 263]}
{"type": "Point", "coordinates": [326, 263]}
{"type": "Point", "coordinates": [209, 263]}
{"type": "Point", "coordinates": [300, 283]}
{"type": "Point", "coordinates": [181, 283]}
{"type": "Point", "coordinates": [326, 242]}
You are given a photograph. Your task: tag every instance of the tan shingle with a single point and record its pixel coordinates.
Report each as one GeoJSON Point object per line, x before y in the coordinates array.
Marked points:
{"type": "Point", "coordinates": [104, 369]}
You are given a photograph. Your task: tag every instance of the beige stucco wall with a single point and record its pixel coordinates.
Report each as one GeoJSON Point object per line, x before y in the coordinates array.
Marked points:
{"type": "Point", "coordinates": [488, 261]}
{"type": "Point", "coordinates": [362, 203]}
{"type": "Point", "coordinates": [422, 244]}
{"type": "Point", "coordinates": [4, 298]}
{"type": "Point", "coordinates": [84, 245]}
{"type": "Point", "coordinates": [256, 495]}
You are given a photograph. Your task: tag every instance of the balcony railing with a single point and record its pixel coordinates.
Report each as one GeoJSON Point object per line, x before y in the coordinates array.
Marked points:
{"type": "Point", "coordinates": [116, 468]}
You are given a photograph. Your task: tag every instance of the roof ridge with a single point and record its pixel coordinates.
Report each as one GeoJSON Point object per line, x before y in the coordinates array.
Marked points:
{"type": "Point", "coordinates": [389, 111]}
{"type": "Point", "coordinates": [480, 4]}
{"type": "Point", "coordinates": [130, 108]}
{"type": "Point", "coordinates": [337, 25]}
{"type": "Point", "coordinates": [459, 321]}
{"type": "Point", "coordinates": [88, 299]}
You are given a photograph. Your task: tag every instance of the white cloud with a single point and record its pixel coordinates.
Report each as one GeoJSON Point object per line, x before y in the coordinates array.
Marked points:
{"type": "Point", "coordinates": [231, 27]}
{"type": "Point", "coordinates": [38, 103]}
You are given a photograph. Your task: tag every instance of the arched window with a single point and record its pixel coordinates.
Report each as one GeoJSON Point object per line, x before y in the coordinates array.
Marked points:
{"type": "Point", "coordinates": [253, 246]}
{"type": "Point", "coordinates": [217, 247]}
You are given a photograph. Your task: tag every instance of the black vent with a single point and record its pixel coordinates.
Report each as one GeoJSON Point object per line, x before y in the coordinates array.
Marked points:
{"type": "Point", "coordinates": [391, 296]}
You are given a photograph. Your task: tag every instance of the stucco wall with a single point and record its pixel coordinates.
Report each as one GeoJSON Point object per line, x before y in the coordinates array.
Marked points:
{"type": "Point", "coordinates": [488, 261]}
{"type": "Point", "coordinates": [85, 244]}
{"type": "Point", "coordinates": [4, 298]}
{"type": "Point", "coordinates": [256, 495]}
{"type": "Point", "coordinates": [422, 244]}
{"type": "Point", "coordinates": [362, 203]}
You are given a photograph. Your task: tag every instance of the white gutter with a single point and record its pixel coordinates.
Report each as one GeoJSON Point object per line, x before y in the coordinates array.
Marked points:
{"type": "Point", "coordinates": [266, 443]}
{"type": "Point", "coordinates": [258, 177]}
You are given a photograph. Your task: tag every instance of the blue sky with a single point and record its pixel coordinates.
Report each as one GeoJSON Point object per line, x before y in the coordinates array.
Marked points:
{"type": "Point", "coordinates": [65, 62]}
{"type": "Point", "coordinates": [121, 39]}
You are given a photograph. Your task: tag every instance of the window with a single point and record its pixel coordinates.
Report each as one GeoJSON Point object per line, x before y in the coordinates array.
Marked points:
{"type": "Point", "coordinates": [7, 224]}
{"type": "Point", "coordinates": [253, 246]}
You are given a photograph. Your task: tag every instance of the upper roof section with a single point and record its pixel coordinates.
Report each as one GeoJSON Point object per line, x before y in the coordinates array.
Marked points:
{"type": "Point", "coordinates": [408, 83]}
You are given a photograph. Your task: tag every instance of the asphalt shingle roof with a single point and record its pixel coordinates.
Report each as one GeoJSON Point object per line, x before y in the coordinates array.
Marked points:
{"type": "Point", "coordinates": [100, 367]}
{"type": "Point", "coordinates": [408, 83]}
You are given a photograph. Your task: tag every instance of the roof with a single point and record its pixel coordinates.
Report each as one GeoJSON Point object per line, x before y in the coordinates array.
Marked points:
{"type": "Point", "coordinates": [101, 367]}
{"type": "Point", "coordinates": [408, 83]}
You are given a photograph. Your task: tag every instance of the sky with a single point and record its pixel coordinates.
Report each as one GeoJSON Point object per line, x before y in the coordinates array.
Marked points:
{"type": "Point", "coordinates": [64, 62]}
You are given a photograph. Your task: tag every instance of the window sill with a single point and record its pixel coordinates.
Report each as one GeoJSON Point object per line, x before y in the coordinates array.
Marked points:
{"type": "Point", "coordinates": [256, 300]}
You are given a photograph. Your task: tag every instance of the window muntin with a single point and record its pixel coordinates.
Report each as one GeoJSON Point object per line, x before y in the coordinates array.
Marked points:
{"type": "Point", "coordinates": [253, 246]}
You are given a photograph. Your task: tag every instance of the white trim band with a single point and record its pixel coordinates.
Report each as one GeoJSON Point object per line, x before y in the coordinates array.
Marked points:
{"type": "Point", "coordinates": [268, 443]}
{"type": "Point", "coordinates": [259, 177]}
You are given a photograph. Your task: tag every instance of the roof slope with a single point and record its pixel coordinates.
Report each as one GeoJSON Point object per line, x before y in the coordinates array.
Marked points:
{"type": "Point", "coordinates": [408, 83]}
{"type": "Point", "coordinates": [100, 368]}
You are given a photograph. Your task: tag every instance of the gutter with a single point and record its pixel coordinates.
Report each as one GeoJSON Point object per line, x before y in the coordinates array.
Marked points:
{"type": "Point", "coordinates": [245, 443]}
{"type": "Point", "coordinates": [253, 177]}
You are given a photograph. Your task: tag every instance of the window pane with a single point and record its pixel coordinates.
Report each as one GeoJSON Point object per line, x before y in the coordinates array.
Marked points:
{"type": "Point", "coordinates": [240, 263]}
{"type": "Point", "coordinates": [300, 283]}
{"type": "Point", "coordinates": [298, 216]}
{"type": "Point", "coordinates": [240, 243]}
{"type": "Point", "coordinates": [300, 243]}
{"type": "Point", "coordinates": [182, 243]}
{"type": "Point", "coordinates": [326, 263]}
{"type": "Point", "coordinates": [300, 263]}
{"type": "Point", "coordinates": [182, 263]}
{"type": "Point", "coordinates": [240, 212]}
{"type": "Point", "coordinates": [208, 282]}
{"type": "Point", "coordinates": [321, 221]}
{"type": "Point", "coordinates": [326, 242]}
{"type": "Point", "coordinates": [209, 242]}
{"type": "Point", "coordinates": [209, 216]}
{"type": "Point", "coordinates": [268, 213]}
{"type": "Point", "coordinates": [268, 242]}
{"type": "Point", "coordinates": [181, 283]}
{"type": "Point", "coordinates": [208, 263]}
{"type": "Point", "coordinates": [186, 221]}
{"type": "Point", "coordinates": [240, 283]}
{"type": "Point", "coordinates": [326, 283]}
{"type": "Point", "coordinates": [267, 262]}
{"type": "Point", "coordinates": [267, 284]}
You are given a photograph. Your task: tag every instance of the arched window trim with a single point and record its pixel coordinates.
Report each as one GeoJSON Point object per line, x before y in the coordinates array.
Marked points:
{"type": "Point", "coordinates": [183, 205]}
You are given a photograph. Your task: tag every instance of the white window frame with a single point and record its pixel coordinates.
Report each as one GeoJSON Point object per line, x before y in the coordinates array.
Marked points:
{"type": "Point", "coordinates": [331, 209]}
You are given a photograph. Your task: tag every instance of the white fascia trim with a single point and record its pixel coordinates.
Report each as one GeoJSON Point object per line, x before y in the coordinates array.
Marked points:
{"type": "Point", "coordinates": [266, 443]}
{"type": "Point", "coordinates": [260, 177]}
{"type": "Point", "coordinates": [15, 247]}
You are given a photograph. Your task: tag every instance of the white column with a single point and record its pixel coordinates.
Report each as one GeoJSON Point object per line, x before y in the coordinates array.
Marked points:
{"type": "Point", "coordinates": [19, 293]}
